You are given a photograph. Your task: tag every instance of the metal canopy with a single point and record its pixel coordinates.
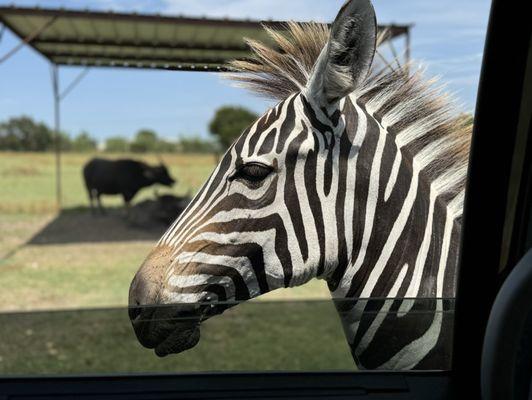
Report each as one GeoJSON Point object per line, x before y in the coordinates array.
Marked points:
{"type": "Point", "coordinates": [108, 39]}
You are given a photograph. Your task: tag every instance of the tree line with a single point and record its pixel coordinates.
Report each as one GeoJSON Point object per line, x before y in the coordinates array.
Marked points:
{"type": "Point", "coordinates": [25, 134]}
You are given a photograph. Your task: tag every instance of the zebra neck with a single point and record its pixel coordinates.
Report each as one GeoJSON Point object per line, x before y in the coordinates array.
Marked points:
{"type": "Point", "coordinates": [397, 231]}
{"type": "Point", "coordinates": [401, 242]}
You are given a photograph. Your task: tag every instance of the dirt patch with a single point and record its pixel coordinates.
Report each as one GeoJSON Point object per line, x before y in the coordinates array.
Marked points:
{"type": "Point", "coordinates": [80, 225]}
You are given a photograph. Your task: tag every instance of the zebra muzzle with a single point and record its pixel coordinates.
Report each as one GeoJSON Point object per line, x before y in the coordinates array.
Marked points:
{"type": "Point", "coordinates": [159, 322]}
{"type": "Point", "coordinates": [167, 328]}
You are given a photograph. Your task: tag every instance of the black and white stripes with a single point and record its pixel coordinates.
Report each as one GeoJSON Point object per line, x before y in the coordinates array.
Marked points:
{"type": "Point", "coordinates": [365, 192]}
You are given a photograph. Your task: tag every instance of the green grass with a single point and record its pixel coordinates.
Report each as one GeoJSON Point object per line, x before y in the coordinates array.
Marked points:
{"type": "Point", "coordinates": [88, 275]}
{"type": "Point", "coordinates": [66, 268]}
{"type": "Point", "coordinates": [72, 260]}
{"type": "Point", "coordinates": [28, 179]}
{"type": "Point", "coordinates": [252, 336]}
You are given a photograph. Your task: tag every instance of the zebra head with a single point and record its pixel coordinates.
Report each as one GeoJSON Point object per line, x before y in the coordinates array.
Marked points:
{"type": "Point", "coordinates": [265, 219]}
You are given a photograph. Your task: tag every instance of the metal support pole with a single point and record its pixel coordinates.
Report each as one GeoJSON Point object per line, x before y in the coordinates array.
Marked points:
{"type": "Point", "coordinates": [57, 136]}
{"type": "Point", "coordinates": [74, 83]}
{"type": "Point", "coordinates": [58, 96]}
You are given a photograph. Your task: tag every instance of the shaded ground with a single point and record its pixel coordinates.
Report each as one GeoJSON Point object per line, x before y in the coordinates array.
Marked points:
{"type": "Point", "coordinates": [146, 220]}
{"type": "Point", "coordinates": [80, 225]}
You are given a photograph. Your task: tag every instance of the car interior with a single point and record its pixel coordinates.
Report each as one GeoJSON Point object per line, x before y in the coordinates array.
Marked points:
{"type": "Point", "coordinates": [492, 350]}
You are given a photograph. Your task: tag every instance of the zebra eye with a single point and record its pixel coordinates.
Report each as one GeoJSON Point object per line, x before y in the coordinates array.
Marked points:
{"type": "Point", "coordinates": [252, 172]}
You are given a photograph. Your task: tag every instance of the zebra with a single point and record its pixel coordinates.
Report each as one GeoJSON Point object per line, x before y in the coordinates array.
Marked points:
{"type": "Point", "coordinates": [356, 177]}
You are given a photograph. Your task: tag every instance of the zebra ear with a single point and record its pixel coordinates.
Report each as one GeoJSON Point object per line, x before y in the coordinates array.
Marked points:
{"type": "Point", "coordinates": [346, 59]}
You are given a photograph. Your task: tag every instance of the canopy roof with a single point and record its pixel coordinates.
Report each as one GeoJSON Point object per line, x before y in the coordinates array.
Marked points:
{"type": "Point", "coordinates": [109, 39]}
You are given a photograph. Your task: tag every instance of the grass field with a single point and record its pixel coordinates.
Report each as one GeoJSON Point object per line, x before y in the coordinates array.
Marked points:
{"type": "Point", "coordinates": [252, 336]}
{"type": "Point", "coordinates": [28, 179]}
{"type": "Point", "coordinates": [74, 261]}
{"type": "Point", "coordinates": [46, 262]}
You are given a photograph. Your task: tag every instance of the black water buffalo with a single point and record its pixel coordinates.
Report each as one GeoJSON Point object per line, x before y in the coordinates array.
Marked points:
{"type": "Point", "coordinates": [125, 177]}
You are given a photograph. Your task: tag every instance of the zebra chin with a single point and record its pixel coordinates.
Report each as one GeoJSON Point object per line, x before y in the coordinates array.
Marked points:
{"type": "Point", "coordinates": [167, 329]}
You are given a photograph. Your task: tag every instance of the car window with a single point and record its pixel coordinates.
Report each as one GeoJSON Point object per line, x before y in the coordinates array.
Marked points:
{"type": "Point", "coordinates": [303, 214]}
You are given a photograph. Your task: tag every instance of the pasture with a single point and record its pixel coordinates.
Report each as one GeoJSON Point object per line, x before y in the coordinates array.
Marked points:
{"type": "Point", "coordinates": [29, 179]}
{"type": "Point", "coordinates": [73, 260]}
{"type": "Point", "coordinates": [253, 336]}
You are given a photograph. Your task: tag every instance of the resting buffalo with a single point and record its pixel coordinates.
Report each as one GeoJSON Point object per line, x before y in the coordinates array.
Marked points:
{"type": "Point", "coordinates": [125, 177]}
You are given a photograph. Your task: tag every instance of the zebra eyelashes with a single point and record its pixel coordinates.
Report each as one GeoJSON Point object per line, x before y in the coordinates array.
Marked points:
{"type": "Point", "coordinates": [252, 173]}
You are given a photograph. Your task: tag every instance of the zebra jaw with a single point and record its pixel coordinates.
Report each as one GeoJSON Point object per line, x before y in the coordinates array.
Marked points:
{"type": "Point", "coordinates": [169, 329]}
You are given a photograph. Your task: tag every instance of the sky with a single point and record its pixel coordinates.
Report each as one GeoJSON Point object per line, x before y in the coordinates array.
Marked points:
{"type": "Point", "coordinates": [447, 40]}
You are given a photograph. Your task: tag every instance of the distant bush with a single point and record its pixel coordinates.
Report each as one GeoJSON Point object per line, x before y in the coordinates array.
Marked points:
{"type": "Point", "coordinates": [165, 146]}
{"type": "Point", "coordinates": [83, 143]}
{"type": "Point", "coordinates": [24, 134]}
{"type": "Point", "coordinates": [116, 144]}
{"type": "Point", "coordinates": [145, 141]}
{"type": "Point", "coordinates": [229, 122]}
{"type": "Point", "coordinates": [195, 144]}
{"type": "Point", "coordinates": [65, 143]}
{"type": "Point", "coordinates": [466, 118]}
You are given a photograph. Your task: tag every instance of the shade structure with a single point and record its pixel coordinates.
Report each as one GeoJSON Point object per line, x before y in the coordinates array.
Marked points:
{"type": "Point", "coordinates": [109, 39]}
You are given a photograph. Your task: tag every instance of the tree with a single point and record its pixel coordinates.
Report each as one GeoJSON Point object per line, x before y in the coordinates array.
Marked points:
{"type": "Point", "coordinates": [195, 144]}
{"type": "Point", "coordinates": [145, 141]}
{"type": "Point", "coordinates": [24, 134]}
{"type": "Point", "coordinates": [65, 143]}
{"type": "Point", "coordinates": [116, 144]}
{"type": "Point", "coordinates": [165, 146]}
{"type": "Point", "coordinates": [83, 142]}
{"type": "Point", "coordinates": [229, 122]}
{"type": "Point", "coordinates": [466, 118]}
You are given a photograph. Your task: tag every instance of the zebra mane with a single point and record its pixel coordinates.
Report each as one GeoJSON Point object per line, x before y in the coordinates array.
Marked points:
{"type": "Point", "coordinates": [416, 110]}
